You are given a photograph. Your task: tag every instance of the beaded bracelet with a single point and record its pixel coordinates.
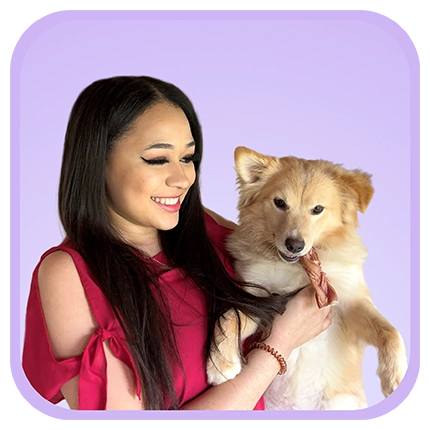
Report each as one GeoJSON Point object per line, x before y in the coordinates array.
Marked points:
{"type": "Point", "coordinates": [268, 348]}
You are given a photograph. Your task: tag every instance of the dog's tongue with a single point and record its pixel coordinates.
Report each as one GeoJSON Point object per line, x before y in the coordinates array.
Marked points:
{"type": "Point", "coordinates": [325, 293]}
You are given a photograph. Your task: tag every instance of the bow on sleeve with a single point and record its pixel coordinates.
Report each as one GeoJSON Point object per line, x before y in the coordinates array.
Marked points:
{"type": "Point", "coordinates": [92, 391]}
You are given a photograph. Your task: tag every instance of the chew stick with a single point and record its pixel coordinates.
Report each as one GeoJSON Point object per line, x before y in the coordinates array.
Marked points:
{"type": "Point", "coordinates": [326, 295]}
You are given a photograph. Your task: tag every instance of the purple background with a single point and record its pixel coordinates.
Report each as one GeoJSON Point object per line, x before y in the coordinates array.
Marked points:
{"type": "Point", "coordinates": [341, 86]}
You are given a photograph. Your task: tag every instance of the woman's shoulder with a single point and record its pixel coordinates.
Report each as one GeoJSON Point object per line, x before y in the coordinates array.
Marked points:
{"type": "Point", "coordinates": [56, 262]}
{"type": "Point", "coordinates": [63, 299]}
{"type": "Point", "coordinates": [61, 260]}
{"type": "Point", "coordinates": [215, 218]}
{"type": "Point", "coordinates": [56, 267]}
{"type": "Point", "coordinates": [219, 228]}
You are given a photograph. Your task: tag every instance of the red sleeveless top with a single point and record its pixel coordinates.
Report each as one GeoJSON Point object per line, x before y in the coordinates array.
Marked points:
{"type": "Point", "coordinates": [188, 311]}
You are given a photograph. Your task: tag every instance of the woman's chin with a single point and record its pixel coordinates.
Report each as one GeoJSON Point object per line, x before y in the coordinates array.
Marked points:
{"type": "Point", "coordinates": [168, 224]}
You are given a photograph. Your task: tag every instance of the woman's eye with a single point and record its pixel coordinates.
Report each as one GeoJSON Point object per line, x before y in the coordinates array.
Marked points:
{"type": "Point", "coordinates": [317, 210]}
{"type": "Point", "coordinates": [189, 159]}
{"type": "Point", "coordinates": [155, 161]}
{"type": "Point", "coordinates": [280, 203]}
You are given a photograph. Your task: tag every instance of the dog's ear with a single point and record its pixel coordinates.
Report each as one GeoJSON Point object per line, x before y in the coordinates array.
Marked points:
{"type": "Point", "coordinates": [253, 167]}
{"type": "Point", "coordinates": [358, 184]}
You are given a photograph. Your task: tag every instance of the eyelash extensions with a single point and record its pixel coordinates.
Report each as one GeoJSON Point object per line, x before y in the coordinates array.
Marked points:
{"type": "Point", "coordinates": [162, 160]}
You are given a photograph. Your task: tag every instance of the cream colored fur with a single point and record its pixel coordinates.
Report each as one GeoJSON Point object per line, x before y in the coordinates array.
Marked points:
{"type": "Point", "coordinates": [324, 373]}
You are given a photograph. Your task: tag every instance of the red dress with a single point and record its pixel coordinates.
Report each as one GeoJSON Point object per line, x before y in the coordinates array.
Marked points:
{"type": "Point", "coordinates": [189, 314]}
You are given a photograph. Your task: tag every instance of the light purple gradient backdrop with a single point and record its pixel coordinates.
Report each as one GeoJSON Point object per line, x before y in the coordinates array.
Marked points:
{"type": "Point", "coordinates": [341, 86]}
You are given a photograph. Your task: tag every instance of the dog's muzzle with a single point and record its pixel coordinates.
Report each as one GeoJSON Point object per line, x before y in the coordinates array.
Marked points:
{"type": "Point", "coordinates": [290, 258]}
{"type": "Point", "coordinates": [293, 247]}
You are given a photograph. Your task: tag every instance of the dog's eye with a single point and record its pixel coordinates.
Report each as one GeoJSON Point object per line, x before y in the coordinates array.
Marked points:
{"type": "Point", "coordinates": [317, 210]}
{"type": "Point", "coordinates": [280, 203]}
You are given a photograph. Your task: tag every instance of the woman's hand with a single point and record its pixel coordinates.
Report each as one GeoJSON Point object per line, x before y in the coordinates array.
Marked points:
{"type": "Point", "coordinates": [302, 321]}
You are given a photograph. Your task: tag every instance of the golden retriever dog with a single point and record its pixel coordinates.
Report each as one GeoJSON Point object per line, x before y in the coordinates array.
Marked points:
{"type": "Point", "coordinates": [287, 206]}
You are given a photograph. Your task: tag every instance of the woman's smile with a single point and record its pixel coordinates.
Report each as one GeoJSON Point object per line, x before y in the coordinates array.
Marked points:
{"type": "Point", "coordinates": [169, 204]}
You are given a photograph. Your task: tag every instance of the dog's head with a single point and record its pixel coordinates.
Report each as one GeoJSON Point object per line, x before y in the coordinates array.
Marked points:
{"type": "Point", "coordinates": [290, 204]}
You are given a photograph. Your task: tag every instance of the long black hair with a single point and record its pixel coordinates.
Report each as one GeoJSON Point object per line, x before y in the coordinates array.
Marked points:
{"type": "Point", "coordinates": [101, 115]}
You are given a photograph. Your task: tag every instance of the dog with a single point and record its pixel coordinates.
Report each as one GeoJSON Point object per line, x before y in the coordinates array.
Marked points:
{"type": "Point", "coordinates": [288, 206]}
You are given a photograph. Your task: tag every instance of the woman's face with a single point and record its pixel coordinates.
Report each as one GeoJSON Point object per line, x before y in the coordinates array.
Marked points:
{"type": "Point", "coordinates": [149, 172]}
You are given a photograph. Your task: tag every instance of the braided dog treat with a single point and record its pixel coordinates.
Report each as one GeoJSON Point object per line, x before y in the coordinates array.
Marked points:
{"type": "Point", "coordinates": [326, 295]}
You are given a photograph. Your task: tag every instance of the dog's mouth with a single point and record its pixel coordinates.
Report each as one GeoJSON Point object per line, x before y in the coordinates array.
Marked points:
{"type": "Point", "coordinates": [290, 258]}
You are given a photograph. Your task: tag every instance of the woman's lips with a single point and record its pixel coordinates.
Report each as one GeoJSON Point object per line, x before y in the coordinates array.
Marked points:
{"type": "Point", "coordinates": [169, 204]}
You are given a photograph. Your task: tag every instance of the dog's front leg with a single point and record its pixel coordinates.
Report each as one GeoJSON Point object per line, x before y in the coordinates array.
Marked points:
{"type": "Point", "coordinates": [224, 362]}
{"type": "Point", "coordinates": [375, 330]}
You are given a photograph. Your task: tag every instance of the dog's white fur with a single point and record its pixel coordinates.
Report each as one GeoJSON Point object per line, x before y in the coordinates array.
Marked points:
{"type": "Point", "coordinates": [324, 373]}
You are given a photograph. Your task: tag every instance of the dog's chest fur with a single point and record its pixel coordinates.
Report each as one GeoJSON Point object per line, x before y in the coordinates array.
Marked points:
{"type": "Point", "coordinates": [302, 387]}
{"type": "Point", "coordinates": [277, 277]}
{"type": "Point", "coordinates": [309, 366]}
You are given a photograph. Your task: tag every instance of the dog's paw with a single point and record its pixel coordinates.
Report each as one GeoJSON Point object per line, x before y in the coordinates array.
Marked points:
{"type": "Point", "coordinates": [392, 364]}
{"type": "Point", "coordinates": [219, 370]}
{"type": "Point", "coordinates": [224, 362]}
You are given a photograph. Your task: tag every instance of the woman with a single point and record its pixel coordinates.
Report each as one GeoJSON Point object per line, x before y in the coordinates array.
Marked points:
{"type": "Point", "coordinates": [121, 314]}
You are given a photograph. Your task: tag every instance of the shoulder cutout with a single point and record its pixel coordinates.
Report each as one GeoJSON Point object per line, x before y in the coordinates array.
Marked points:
{"type": "Point", "coordinates": [68, 315]}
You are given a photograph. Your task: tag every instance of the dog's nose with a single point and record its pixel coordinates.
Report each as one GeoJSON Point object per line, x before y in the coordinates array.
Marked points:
{"type": "Point", "coordinates": [294, 245]}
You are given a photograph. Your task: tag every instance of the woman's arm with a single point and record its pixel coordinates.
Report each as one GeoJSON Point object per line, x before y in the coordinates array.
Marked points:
{"type": "Point", "coordinates": [71, 324]}
{"type": "Point", "coordinates": [121, 388]}
{"type": "Point", "coordinates": [301, 321]}
{"type": "Point", "coordinates": [244, 391]}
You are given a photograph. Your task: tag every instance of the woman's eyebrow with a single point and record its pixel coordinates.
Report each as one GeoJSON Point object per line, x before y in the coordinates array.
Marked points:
{"type": "Point", "coordinates": [166, 146]}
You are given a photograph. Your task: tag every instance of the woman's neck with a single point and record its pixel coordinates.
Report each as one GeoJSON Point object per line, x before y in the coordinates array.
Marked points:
{"type": "Point", "coordinates": [147, 241]}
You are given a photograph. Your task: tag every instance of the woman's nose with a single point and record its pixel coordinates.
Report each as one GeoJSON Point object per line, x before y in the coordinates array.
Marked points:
{"type": "Point", "coordinates": [180, 176]}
